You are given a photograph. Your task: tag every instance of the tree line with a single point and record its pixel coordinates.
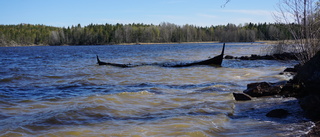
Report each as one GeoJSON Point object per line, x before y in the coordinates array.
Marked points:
{"type": "Point", "coordinates": [102, 34]}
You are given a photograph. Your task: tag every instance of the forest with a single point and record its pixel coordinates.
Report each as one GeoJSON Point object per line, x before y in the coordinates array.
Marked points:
{"type": "Point", "coordinates": [103, 34]}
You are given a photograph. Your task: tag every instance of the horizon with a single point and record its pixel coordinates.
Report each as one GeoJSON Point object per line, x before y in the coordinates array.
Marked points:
{"type": "Point", "coordinates": [74, 25]}
{"type": "Point", "coordinates": [179, 12]}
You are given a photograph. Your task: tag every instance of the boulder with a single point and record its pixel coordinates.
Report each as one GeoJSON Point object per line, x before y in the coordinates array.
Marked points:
{"type": "Point", "coordinates": [263, 89]}
{"type": "Point", "coordinates": [282, 56]}
{"type": "Point", "coordinates": [315, 131]}
{"type": "Point", "coordinates": [241, 97]}
{"type": "Point", "coordinates": [308, 79]}
{"type": "Point", "coordinates": [291, 90]}
{"type": "Point", "coordinates": [285, 56]}
{"type": "Point", "coordinates": [309, 75]}
{"type": "Point", "coordinates": [290, 70]}
{"type": "Point", "coordinates": [278, 113]}
{"type": "Point", "coordinates": [311, 105]}
{"type": "Point", "coordinates": [244, 58]}
{"type": "Point", "coordinates": [229, 57]}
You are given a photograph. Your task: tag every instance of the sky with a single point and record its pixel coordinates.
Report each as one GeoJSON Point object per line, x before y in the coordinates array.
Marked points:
{"type": "Point", "coordinates": [64, 13]}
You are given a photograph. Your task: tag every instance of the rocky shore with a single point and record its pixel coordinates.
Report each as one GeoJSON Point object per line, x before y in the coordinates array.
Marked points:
{"type": "Point", "coordinates": [305, 86]}
{"type": "Point", "coordinates": [282, 56]}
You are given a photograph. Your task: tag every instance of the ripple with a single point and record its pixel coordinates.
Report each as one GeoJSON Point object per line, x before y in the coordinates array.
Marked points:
{"type": "Point", "coordinates": [60, 91]}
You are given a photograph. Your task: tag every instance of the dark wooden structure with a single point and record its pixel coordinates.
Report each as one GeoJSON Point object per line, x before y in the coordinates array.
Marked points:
{"type": "Point", "coordinates": [215, 61]}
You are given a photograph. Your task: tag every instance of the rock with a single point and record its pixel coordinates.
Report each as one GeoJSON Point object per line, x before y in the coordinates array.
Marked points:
{"type": "Point", "coordinates": [292, 89]}
{"type": "Point", "coordinates": [311, 105]}
{"type": "Point", "coordinates": [285, 56]}
{"type": "Point", "coordinates": [244, 58]}
{"type": "Point", "coordinates": [290, 70]}
{"type": "Point", "coordinates": [315, 132]}
{"type": "Point", "coordinates": [278, 113]}
{"type": "Point", "coordinates": [241, 97]}
{"type": "Point", "coordinates": [269, 57]}
{"type": "Point", "coordinates": [282, 56]}
{"type": "Point", "coordinates": [254, 57]}
{"type": "Point", "coordinates": [309, 75]}
{"type": "Point", "coordinates": [263, 89]}
{"type": "Point", "coordinates": [229, 57]}
{"type": "Point", "coordinates": [308, 80]}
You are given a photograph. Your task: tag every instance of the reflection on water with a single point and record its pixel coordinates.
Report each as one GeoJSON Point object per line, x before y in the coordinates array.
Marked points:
{"type": "Point", "coordinates": [61, 91]}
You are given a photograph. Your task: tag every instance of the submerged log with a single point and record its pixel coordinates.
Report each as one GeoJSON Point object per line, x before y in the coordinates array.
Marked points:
{"type": "Point", "coordinates": [215, 61]}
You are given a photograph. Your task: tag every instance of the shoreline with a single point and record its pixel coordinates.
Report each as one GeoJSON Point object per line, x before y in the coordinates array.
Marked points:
{"type": "Point", "coordinates": [303, 86]}
{"type": "Point", "coordinates": [259, 42]}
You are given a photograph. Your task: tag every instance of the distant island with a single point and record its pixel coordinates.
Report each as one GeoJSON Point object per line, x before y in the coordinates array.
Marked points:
{"type": "Point", "coordinates": [106, 34]}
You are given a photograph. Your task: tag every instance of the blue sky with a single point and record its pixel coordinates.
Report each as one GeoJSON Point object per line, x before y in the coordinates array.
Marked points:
{"type": "Point", "coordinates": [63, 13]}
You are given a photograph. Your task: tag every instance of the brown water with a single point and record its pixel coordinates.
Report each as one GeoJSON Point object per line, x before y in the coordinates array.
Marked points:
{"type": "Point", "coordinates": [61, 91]}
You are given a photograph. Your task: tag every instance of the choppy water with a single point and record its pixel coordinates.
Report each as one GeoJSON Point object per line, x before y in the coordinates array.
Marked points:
{"type": "Point", "coordinates": [61, 91]}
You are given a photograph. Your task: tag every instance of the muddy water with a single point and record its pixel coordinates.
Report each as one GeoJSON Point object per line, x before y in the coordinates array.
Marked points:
{"type": "Point", "coordinates": [61, 91]}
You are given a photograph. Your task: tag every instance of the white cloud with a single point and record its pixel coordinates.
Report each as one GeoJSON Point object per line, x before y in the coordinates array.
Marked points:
{"type": "Point", "coordinates": [250, 12]}
{"type": "Point", "coordinates": [207, 15]}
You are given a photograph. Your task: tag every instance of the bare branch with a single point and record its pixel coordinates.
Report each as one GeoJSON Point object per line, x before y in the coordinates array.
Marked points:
{"type": "Point", "coordinates": [227, 1]}
{"type": "Point", "coordinates": [304, 19]}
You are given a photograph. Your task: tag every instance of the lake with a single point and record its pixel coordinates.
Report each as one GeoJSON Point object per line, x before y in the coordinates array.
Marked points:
{"type": "Point", "coordinates": [61, 91]}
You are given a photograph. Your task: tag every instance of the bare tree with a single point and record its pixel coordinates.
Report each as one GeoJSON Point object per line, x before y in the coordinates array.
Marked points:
{"type": "Point", "coordinates": [303, 17]}
{"type": "Point", "coordinates": [128, 33]}
{"type": "Point", "coordinates": [56, 38]}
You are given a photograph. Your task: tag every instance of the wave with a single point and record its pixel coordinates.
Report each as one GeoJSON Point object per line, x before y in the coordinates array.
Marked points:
{"type": "Point", "coordinates": [15, 78]}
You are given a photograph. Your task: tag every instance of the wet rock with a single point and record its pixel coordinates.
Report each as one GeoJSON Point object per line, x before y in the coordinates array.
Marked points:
{"type": "Point", "coordinates": [315, 132]}
{"type": "Point", "coordinates": [278, 113]}
{"type": "Point", "coordinates": [290, 70]}
{"type": "Point", "coordinates": [229, 57]}
{"type": "Point", "coordinates": [285, 56]}
{"type": "Point", "coordinates": [241, 97]}
{"type": "Point", "coordinates": [291, 90]}
{"type": "Point", "coordinates": [309, 75]}
{"type": "Point", "coordinates": [311, 105]}
{"type": "Point", "coordinates": [245, 58]}
{"type": "Point", "coordinates": [263, 89]}
{"type": "Point", "coordinates": [282, 56]}
{"type": "Point", "coordinates": [308, 79]}
{"type": "Point", "coordinates": [258, 57]}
